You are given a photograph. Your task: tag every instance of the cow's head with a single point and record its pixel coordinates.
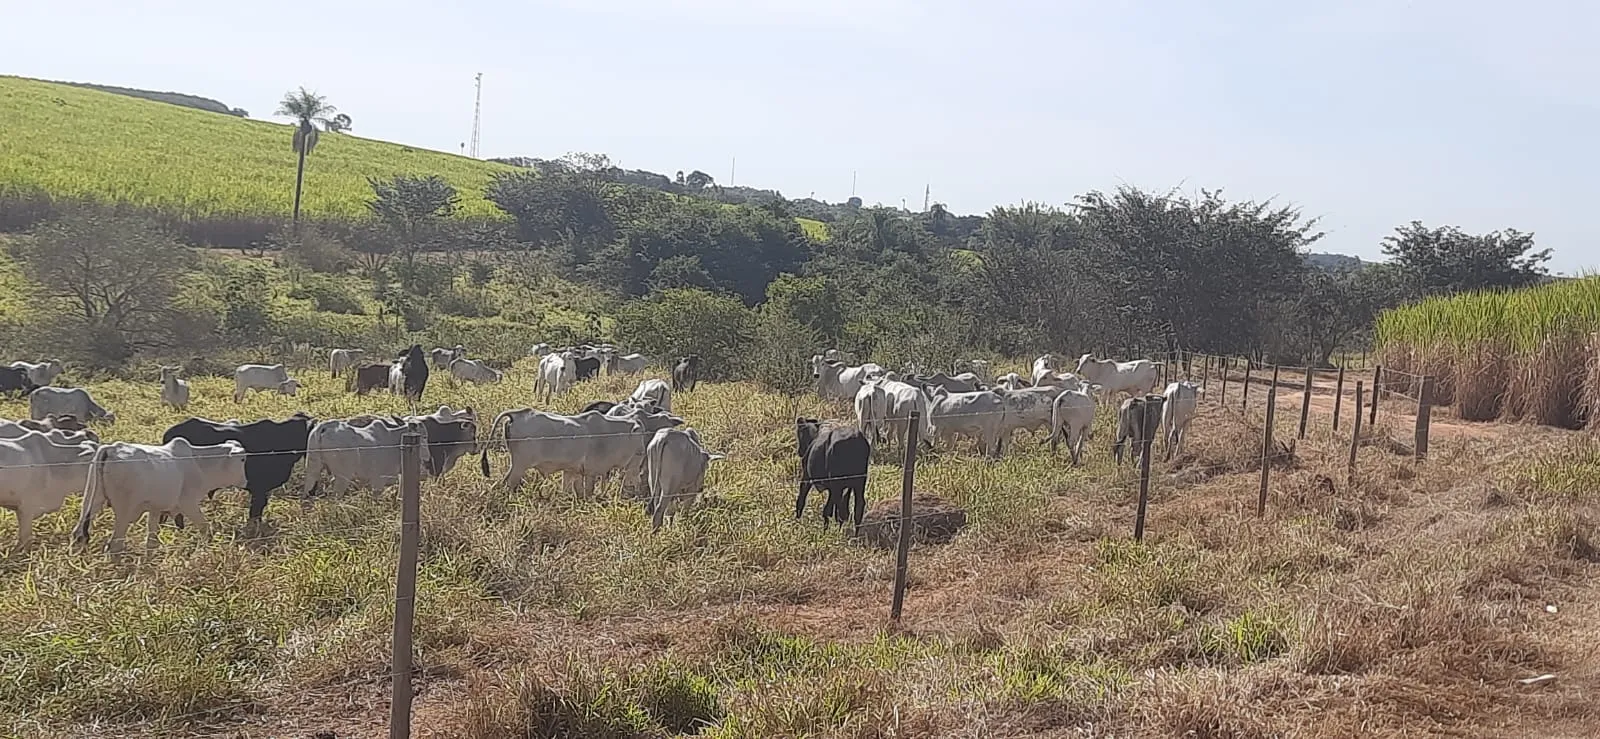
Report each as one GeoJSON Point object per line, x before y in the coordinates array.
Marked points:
{"type": "Point", "coordinates": [805, 432]}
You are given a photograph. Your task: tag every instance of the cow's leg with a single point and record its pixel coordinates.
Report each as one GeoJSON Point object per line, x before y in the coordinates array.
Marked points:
{"type": "Point", "coordinates": [152, 538]}
{"type": "Point", "coordinates": [24, 528]}
{"type": "Point", "coordinates": [119, 532]}
{"type": "Point", "coordinates": [861, 503]}
{"type": "Point", "coordinates": [514, 475]}
{"type": "Point", "coordinates": [201, 525]}
{"type": "Point", "coordinates": [800, 500]}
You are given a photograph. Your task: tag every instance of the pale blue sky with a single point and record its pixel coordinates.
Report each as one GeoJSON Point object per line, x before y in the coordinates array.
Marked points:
{"type": "Point", "coordinates": [1367, 114]}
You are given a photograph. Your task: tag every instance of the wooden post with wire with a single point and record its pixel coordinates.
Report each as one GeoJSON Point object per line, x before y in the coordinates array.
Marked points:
{"type": "Point", "coordinates": [1222, 363]}
{"type": "Point", "coordinates": [1249, 364]}
{"type": "Point", "coordinates": [1338, 397]}
{"type": "Point", "coordinates": [405, 588]}
{"type": "Point", "coordinates": [1424, 417]}
{"type": "Point", "coordinates": [1377, 380]}
{"type": "Point", "coordinates": [1305, 400]}
{"type": "Point", "coordinates": [1355, 438]}
{"type": "Point", "coordinates": [1149, 426]}
{"type": "Point", "coordinates": [902, 549]}
{"type": "Point", "coordinates": [1266, 447]}
{"type": "Point", "coordinates": [1205, 374]}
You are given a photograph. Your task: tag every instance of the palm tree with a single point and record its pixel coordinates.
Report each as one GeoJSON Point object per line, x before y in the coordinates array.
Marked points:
{"type": "Point", "coordinates": [308, 109]}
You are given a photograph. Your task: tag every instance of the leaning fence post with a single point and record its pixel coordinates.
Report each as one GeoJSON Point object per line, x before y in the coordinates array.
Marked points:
{"type": "Point", "coordinates": [902, 549]}
{"type": "Point", "coordinates": [1377, 378]}
{"type": "Point", "coordinates": [1222, 364]}
{"type": "Point", "coordinates": [1338, 397]}
{"type": "Point", "coordinates": [1305, 400]}
{"type": "Point", "coordinates": [1149, 426]}
{"type": "Point", "coordinates": [1245, 403]}
{"type": "Point", "coordinates": [1424, 417]}
{"type": "Point", "coordinates": [405, 589]}
{"type": "Point", "coordinates": [1355, 438]}
{"type": "Point", "coordinates": [1266, 449]}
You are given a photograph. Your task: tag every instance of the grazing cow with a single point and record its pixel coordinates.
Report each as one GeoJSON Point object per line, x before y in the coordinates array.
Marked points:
{"type": "Point", "coordinates": [1012, 381]}
{"type": "Point", "coordinates": [174, 392]}
{"type": "Point", "coordinates": [1028, 409]}
{"type": "Point", "coordinates": [37, 473]}
{"type": "Point", "coordinates": [451, 435]}
{"type": "Point", "coordinates": [57, 401]}
{"type": "Point", "coordinates": [675, 462]}
{"type": "Point", "coordinates": [267, 377]}
{"type": "Point", "coordinates": [274, 448]}
{"type": "Point", "coordinates": [1182, 400]}
{"type": "Point", "coordinates": [834, 380]}
{"type": "Point", "coordinates": [902, 399]}
{"type": "Point", "coordinates": [872, 409]}
{"type": "Point", "coordinates": [41, 373]}
{"type": "Point", "coordinates": [172, 478]}
{"type": "Point", "coordinates": [586, 368]}
{"type": "Point", "coordinates": [980, 415]}
{"type": "Point", "coordinates": [1043, 366]}
{"type": "Point", "coordinates": [1136, 377]}
{"type": "Point", "coordinates": [686, 373]}
{"type": "Point", "coordinates": [442, 357]}
{"type": "Point", "coordinates": [584, 448]}
{"type": "Point", "coordinates": [368, 377]}
{"type": "Point", "coordinates": [473, 370]}
{"type": "Point", "coordinates": [599, 406]}
{"type": "Point", "coordinates": [556, 372]}
{"type": "Point", "coordinates": [66, 429]}
{"type": "Point", "coordinates": [367, 453]}
{"type": "Point", "coordinates": [653, 391]}
{"type": "Point", "coordinates": [627, 364]}
{"type": "Point", "coordinates": [965, 382]}
{"type": "Point", "coordinates": [340, 360]}
{"type": "Point", "coordinates": [1063, 380]}
{"type": "Point", "coordinates": [16, 382]}
{"type": "Point", "coordinates": [1071, 420]}
{"type": "Point", "coordinates": [413, 374]}
{"type": "Point", "coordinates": [834, 460]}
{"type": "Point", "coordinates": [1128, 420]}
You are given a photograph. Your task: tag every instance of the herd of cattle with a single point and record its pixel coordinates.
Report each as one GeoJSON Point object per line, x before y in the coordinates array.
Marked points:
{"type": "Point", "coordinates": [54, 454]}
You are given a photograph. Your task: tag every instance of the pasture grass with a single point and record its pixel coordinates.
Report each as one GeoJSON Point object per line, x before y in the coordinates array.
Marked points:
{"type": "Point", "coordinates": [542, 615]}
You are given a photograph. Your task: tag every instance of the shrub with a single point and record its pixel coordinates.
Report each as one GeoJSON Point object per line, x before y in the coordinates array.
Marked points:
{"type": "Point", "coordinates": [315, 250]}
{"type": "Point", "coordinates": [688, 321]}
{"type": "Point", "coordinates": [328, 294]}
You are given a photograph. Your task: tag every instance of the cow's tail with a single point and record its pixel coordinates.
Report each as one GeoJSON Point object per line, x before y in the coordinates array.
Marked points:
{"type": "Point", "coordinates": [653, 504]}
{"type": "Point", "coordinates": [93, 495]}
{"type": "Point", "coordinates": [483, 453]}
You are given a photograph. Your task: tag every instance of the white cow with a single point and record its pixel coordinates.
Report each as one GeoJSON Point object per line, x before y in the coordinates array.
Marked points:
{"type": "Point", "coordinates": [41, 373]}
{"type": "Point", "coordinates": [675, 462]}
{"type": "Point", "coordinates": [1071, 420]}
{"type": "Point", "coordinates": [1063, 380]}
{"type": "Point", "coordinates": [1138, 376]}
{"type": "Point", "coordinates": [442, 357]}
{"type": "Point", "coordinates": [37, 473]}
{"type": "Point", "coordinates": [135, 479]}
{"type": "Point", "coordinates": [174, 392]}
{"type": "Point", "coordinates": [627, 364]}
{"type": "Point", "coordinates": [473, 370]}
{"type": "Point", "coordinates": [397, 378]}
{"type": "Point", "coordinates": [369, 453]}
{"type": "Point", "coordinates": [980, 415]}
{"type": "Point", "coordinates": [73, 435]}
{"type": "Point", "coordinates": [872, 409]}
{"type": "Point", "coordinates": [340, 360]}
{"type": "Point", "coordinates": [1183, 399]}
{"type": "Point", "coordinates": [556, 372]}
{"type": "Point", "coordinates": [267, 377]}
{"type": "Point", "coordinates": [1042, 367]}
{"type": "Point", "coordinates": [834, 380]}
{"type": "Point", "coordinates": [1012, 381]}
{"type": "Point", "coordinates": [540, 349]}
{"type": "Point", "coordinates": [902, 399]}
{"type": "Point", "coordinates": [58, 401]}
{"type": "Point", "coordinates": [584, 448]}
{"type": "Point", "coordinates": [654, 391]}
{"type": "Point", "coordinates": [1027, 409]}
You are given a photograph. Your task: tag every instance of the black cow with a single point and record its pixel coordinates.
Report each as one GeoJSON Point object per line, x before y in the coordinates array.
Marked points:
{"type": "Point", "coordinates": [368, 377]}
{"type": "Point", "coordinates": [686, 373]}
{"type": "Point", "coordinates": [602, 406]}
{"type": "Point", "coordinates": [274, 448]}
{"type": "Point", "coordinates": [588, 367]}
{"type": "Point", "coordinates": [415, 369]}
{"type": "Point", "coordinates": [15, 382]}
{"type": "Point", "coordinates": [834, 460]}
{"type": "Point", "coordinates": [448, 441]}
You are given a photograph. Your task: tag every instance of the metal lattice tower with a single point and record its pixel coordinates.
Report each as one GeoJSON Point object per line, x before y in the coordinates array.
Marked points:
{"type": "Point", "coordinates": [477, 115]}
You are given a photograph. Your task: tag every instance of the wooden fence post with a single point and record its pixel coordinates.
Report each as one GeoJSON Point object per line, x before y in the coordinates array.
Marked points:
{"type": "Point", "coordinates": [1424, 417]}
{"type": "Point", "coordinates": [1149, 426]}
{"type": "Point", "coordinates": [1248, 364]}
{"type": "Point", "coordinates": [405, 589]}
{"type": "Point", "coordinates": [1377, 380]}
{"type": "Point", "coordinates": [1355, 439]}
{"type": "Point", "coordinates": [1205, 373]}
{"type": "Point", "coordinates": [1338, 397]}
{"type": "Point", "coordinates": [1223, 362]}
{"type": "Point", "coordinates": [1266, 447]}
{"type": "Point", "coordinates": [1305, 400]}
{"type": "Point", "coordinates": [902, 549]}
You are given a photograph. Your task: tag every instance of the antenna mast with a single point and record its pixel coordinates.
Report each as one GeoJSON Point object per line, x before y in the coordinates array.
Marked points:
{"type": "Point", "coordinates": [926, 189]}
{"type": "Point", "coordinates": [477, 113]}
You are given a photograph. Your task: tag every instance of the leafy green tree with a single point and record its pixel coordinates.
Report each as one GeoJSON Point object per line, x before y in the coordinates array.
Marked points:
{"type": "Point", "coordinates": [308, 109]}
{"type": "Point", "coordinates": [676, 322]}
{"type": "Point", "coordinates": [339, 123]}
{"type": "Point", "coordinates": [697, 181]}
{"type": "Point", "coordinates": [412, 208]}
{"type": "Point", "coordinates": [1447, 259]}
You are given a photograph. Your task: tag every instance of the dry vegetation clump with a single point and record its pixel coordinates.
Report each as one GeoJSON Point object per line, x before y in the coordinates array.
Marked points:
{"type": "Point", "coordinates": [1401, 605]}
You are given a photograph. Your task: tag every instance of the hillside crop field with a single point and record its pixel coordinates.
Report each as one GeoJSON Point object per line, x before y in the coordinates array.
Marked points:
{"type": "Point", "coordinates": [1407, 605]}
{"type": "Point", "coordinates": [79, 143]}
{"type": "Point", "coordinates": [1525, 355]}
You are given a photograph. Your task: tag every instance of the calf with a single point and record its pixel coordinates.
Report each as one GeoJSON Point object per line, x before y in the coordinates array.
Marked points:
{"type": "Point", "coordinates": [1129, 418]}
{"type": "Point", "coordinates": [653, 391]}
{"type": "Point", "coordinates": [586, 368]}
{"type": "Point", "coordinates": [442, 357]}
{"type": "Point", "coordinates": [473, 370]}
{"type": "Point", "coordinates": [37, 473]}
{"type": "Point", "coordinates": [172, 478]}
{"type": "Point", "coordinates": [263, 377]}
{"type": "Point", "coordinates": [676, 464]}
{"type": "Point", "coordinates": [1071, 420]}
{"type": "Point", "coordinates": [368, 377]}
{"type": "Point", "coordinates": [57, 401]}
{"type": "Point", "coordinates": [174, 392]}
{"type": "Point", "coordinates": [686, 373]}
{"type": "Point", "coordinates": [341, 360]}
{"type": "Point", "coordinates": [40, 373]}
{"type": "Point", "coordinates": [1182, 400]}
{"type": "Point", "coordinates": [16, 382]}
{"type": "Point", "coordinates": [274, 448]}
{"type": "Point", "coordinates": [352, 452]}
{"type": "Point", "coordinates": [835, 460]}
